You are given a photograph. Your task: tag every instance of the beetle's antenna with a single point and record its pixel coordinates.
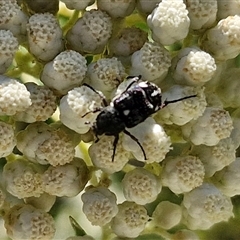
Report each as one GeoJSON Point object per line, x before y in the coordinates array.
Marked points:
{"type": "Point", "coordinates": [166, 102]}
{"type": "Point", "coordinates": [136, 140]}
{"type": "Point", "coordinates": [94, 111]}
{"type": "Point", "coordinates": [98, 93]}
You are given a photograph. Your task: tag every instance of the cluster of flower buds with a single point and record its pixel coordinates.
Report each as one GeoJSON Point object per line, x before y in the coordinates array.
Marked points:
{"type": "Point", "coordinates": [63, 63]}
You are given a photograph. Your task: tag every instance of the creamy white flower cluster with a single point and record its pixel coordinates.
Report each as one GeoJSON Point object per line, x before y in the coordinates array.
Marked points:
{"type": "Point", "coordinates": [60, 68]}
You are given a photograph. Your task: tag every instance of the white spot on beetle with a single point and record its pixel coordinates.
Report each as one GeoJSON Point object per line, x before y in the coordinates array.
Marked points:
{"type": "Point", "coordinates": [126, 112]}
{"type": "Point", "coordinates": [155, 93]}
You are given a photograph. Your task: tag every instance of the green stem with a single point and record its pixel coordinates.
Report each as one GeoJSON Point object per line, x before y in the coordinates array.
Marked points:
{"type": "Point", "coordinates": [71, 21]}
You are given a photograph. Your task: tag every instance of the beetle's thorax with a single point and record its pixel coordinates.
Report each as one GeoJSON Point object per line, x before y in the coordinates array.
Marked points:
{"type": "Point", "coordinates": [108, 122]}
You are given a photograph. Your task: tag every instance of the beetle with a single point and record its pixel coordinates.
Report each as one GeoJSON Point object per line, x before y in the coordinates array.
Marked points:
{"type": "Point", "coordinates": [136, 103]}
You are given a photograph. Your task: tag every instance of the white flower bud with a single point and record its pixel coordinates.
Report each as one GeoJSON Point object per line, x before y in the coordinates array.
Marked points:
{"type": "Point", "coordinates": [8, 140]}
{"type": "Point", "coordinates": [23, 179]}
{"type": "Point", "coordinates": [77, 108]}
{"type": "Point", "coordinates": [43, 202]}
{"type": "Point", "coordinates": [40, 6]}
{"type": "Point", "coordinates": [91, 32]}
{"type": "Point", "coordinates": [182, 173]}
{"type": "Point", "coordinates": [235, 134]}
{"type": "Point", "coordinates": [227, 88]}
{"type": "Point", "coordinates": [202, 13]}
{"type": "Point", "coordinates": [130, 220]}
{"type": "Point", "coordinates": [14, 97]}
{"type": "Point", "coordinates": [167, 215]}
{"type": "Point", "coordinates": [182, 112]}
{"type": "Point", "coordinates": [204, 206]}
{"type": "Point", "coordinates": [185, 234]}
{"type": "Point", "coordinates": [153, 139]}
{"type": "Point", "coordinates": [214, 125]}
{"type": "Point", "coordinates": [66, 71]}
{"type": "Point", "coordinates": [44, 104]}
{"type": "Point", "coordinates": [85, 237]}
{"type": "Point", "coordinates": [77, 5]}
{"type": "Point", "coordinates": [67, 180]}
{"type": "Point", "coordinates": [141, 186]}
{"type": "Point", "coordinates": [116, 9]}
{"type": "Point", "coordinates": [215, 158]}
{"type": "Point", "coordinates": [44, 36]}
{"type": "Point", "coordinates": [2, 197]}
{"type": "Point", "coordinates": [26, 222]}
{"type": "Point", "coordinates": [152, 61]}
{"type": "Point", "coordinates": [227, 180]}
{"type": "Point", "coordinates": [227, 8]}
{"type": "Point", "coordinates": [44, 144]}
{"type": "Point", "coordinates": [99, 205]}
{"type": "Point", "coordinates": [101, 154]}
{"type": "Point", "coordinates": [106, 74]}
{"type": "Point", "coordinates": [13, 19]}
{"type": "Point", "coordinates": [8, 47]}
{"type": "Point", "coordinates": [146, 7]}
{"type": "Point", "coordinates": [223, 40]}
{"type": "Point", "coordinates": [193, 67]}
{"type": "Point", "coordinates": [127, 41]}
{"type": "Point", "coordinates": [169, 22]}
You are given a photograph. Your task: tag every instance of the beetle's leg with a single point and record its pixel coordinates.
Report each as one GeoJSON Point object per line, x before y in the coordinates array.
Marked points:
{"type": "Point", "coordinates": [94, 111]}
{"type": "Point", "coordinates": [136, 140]}
{"type": "Point", "coordinates": [166, 102]}
{"type": "Point", "coordinates": [98, 93]}
{"type": "Point", "coordinates": [115, 142]}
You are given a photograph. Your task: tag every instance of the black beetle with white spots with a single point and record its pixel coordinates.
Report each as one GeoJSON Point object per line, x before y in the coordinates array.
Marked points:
{"type": "Point", "coordinates": [139, 101]}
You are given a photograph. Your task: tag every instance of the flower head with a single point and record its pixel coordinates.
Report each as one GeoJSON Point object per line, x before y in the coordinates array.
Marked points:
{"type": "Point", "coordinates": [184, 111]}
{"type": "Point", "coordinates": [99, 205]}
{"type": "Point", "coordinates": [153, 139]}
{"type": "Point", "coordinates": [215, 158]}
{"type": "Point", "coordinates": [13, 19]}
{"type": "Point", "coordinates": [26, 222]}
{"type": "Point", "coordinates": [80, 103]}
{"type": "Point", "coordinates": [106, 74]}
{"type": "Point", "coordinates": [204, 206]}
{"type": "Point", "coordinates": [223, 40]}
{"type": "Point", "coordinates": [214, 125]}
{"type": "Point", "coordinates": [130, 220]}
{"type": "Point", "coordinates": [44, 36]}
{"type": "Point", "coordinates": [8, 140]}
{"type": "Point", "coordinates": [202, 13]}
{"type": "Point", "coordinates": [228, 178]}
{"type": "Point", "coordinates": [182, 174]}
{"type": "Point", "coordinates": [67, 180]}
{"type": "Point", "coordinates": [45, 144]}
{"type": "Point", "coordinates": [169, 22]}
{"type": "Point", "coordinates": [101, 154]}
{"type": "Point", "coordinates": [8, 47]}
{"type": "Point", "coordinates": [14, 96]}
{"type": "Point", "coordinates": [127, 41]}
{"type": "Point", "coordinates": [193, 67]}
{"type": "Point", "coordinates": [167, 215]}
{"type": "Point", "coordinates": [78, 5]}
{"type": "Point", "coordinates": [44, 104]}
{"type": "Point", "coordinates": [66, 71]}
{"type": "Point", "coordinates": [23, 179]}
{"type": "Point", "coordinates": [116, 9]}
{"type": "Point", "coordinates": [141, 186]}
{"type": "Point", "coordinates": [91, 32]}
{"type": "Point", "coordinates": [152, 61]}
